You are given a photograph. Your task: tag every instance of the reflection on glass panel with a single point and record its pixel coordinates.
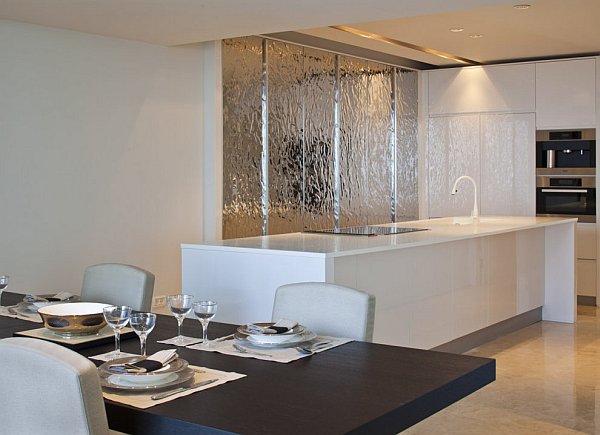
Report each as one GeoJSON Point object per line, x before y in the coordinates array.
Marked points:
{"type": "Point", "coordinates": [242, 60]}
{"type": "Point", "coordinates": [317, 91]}
{"type": "Point", "coordinates": [407, 94]}
{"type": "Point", "coordinates": [285, 72]}
{"type": "Point", "coordinates": [379, 159]}
{"type": "Point", "coordinates": [451, 136]}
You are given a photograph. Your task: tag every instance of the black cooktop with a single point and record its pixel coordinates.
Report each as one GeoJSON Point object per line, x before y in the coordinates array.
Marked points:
{"type": "Point", "coordinates": [368, 230]}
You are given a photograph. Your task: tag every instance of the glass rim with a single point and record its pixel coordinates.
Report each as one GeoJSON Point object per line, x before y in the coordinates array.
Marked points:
{"type": "Point", "coordinates": [207, 303]}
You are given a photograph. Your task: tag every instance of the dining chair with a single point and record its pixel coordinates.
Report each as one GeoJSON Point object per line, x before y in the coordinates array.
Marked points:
{"type": "Point", "coordinates": [118, 284]}
{"type": "Point", "coordinates": [48, 389]}
{"type": "Point", "coordinates": [327, 309]}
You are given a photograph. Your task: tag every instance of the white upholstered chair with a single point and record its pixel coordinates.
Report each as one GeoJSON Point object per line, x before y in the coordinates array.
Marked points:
{"type": "Point", "coordinates": [118, 284]}
{"type": "Point", "coordinates": [48, 389]}
{"type": "Point", "coordinates": [327, 309]}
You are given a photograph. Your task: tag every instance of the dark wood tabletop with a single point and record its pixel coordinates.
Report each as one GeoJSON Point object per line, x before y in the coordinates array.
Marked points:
{"type": "Point", "coordinates": [358, 387]}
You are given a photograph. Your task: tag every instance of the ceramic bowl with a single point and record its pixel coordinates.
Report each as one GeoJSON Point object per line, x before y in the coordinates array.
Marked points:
{"type": "Point", "coordinates": [77, 318]}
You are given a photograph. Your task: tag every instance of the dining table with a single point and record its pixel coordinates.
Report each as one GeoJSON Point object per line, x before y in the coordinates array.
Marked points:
{"type": "Point", "coordinates": [358, 387]}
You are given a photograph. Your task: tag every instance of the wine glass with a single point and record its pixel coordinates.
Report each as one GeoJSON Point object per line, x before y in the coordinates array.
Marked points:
{"type": "Point", "coordinates": [3, 282]}
{"type": "Point", "coordinates": [142, 324]}
{"type": "Point", "coordinates": [179, 306]}
{"type": "Point", "coordinates": [117, 317]}
{"type": "Point", "coordinates": [205, 311]}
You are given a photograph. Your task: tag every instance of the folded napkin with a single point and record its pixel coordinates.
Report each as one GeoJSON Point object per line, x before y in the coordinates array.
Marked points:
{"type": "Point", "coordinates": [280, 327]}
{"type": "Point", "coordinates": [61, 296]}
{"type": "Point", "coordinates": [154, 362]}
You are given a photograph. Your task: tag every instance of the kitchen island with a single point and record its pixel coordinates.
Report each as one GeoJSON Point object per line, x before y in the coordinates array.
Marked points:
{"type": "Point", "coordinates": [440, 287]}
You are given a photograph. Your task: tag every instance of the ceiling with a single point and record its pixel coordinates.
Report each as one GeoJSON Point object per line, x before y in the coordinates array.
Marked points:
{"type": "Point", "coordinates": [549, 28]}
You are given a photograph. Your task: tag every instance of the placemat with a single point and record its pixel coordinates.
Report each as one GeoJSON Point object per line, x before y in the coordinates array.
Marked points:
{"type": "Point", "coordinates": [105, 335]}
{"type": "Point", "coordinates": [144, 400]}
{"type": "Point", "coordinates": [274, 354]}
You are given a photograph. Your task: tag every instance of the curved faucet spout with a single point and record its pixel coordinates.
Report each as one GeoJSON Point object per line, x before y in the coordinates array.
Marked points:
{"type": "Point", "coordinates": [475, 212]}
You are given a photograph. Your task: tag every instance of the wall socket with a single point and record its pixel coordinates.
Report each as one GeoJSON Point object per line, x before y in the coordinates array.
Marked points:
{"type": "Point", "coordinates": [159, 301]}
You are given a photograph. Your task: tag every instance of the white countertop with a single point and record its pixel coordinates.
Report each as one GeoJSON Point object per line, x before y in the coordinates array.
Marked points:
{"type": "Point", "coordinates": [329, 245]}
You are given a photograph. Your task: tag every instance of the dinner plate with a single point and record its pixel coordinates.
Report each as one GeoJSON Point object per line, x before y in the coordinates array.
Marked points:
{"type": "Point", "coordinates": [175, 366]}
{"type": "Point", "coordinates": [293, 340]}
{"type": "Point", "coordinates": [298, 329]}
{"type": "Point", "coordinates": [130, 380]}
{"type": "Point", "coordinates": [125, 383]}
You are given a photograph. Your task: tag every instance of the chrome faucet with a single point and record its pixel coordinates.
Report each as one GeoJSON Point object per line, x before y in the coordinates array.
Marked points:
{"type": "Point", "coordinates": [475, 212]}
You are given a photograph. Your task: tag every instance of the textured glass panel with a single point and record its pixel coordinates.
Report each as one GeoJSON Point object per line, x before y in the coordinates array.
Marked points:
{"type": "Point", "coordinates": [242, 61]}
{"type": "Point", "coordinates": [378, 192]}
{"type": "Point", "coordinates": [285, 72]}
{"type": "Point", "coordinates": [317, 89]}
{"type": "Point", "coordinates": [407, 98]}
{"type": "Point", "coordinates": [453, 151]}
{"type": "Point", "coordinates": [354, 97]}
{"type": "Point", "coordinates": [507, 164]}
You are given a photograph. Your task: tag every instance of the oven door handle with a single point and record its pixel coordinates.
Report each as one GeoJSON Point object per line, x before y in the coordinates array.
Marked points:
{"type": "Point", "coordinates": [564, 191]}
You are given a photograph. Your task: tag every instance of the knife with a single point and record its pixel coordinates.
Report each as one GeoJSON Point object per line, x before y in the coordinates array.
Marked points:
{"type": "Point", "coordinates": [182, 389]}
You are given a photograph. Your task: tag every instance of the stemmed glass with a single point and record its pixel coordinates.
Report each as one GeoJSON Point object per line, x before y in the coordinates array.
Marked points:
{"type": "Point", "coordinates": [143, 324]}
{"type": "Point", "coordinates": [179, 306]}
{"type": "Point", "coordinates": [3, 284]}
{"type": "Point", "coordinates": [117, 317]}
{"type": "Point", "coordinates": [205, 311]}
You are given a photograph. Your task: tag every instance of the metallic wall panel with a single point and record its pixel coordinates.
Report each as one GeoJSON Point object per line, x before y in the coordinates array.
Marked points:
{"type": "Point", "coordinates": [407, 148]}
{"type": "Point", "coordinates": [376, 134]}
{"type": "Point", "coordinates": [379, 140]}
{"type": "Point", "coordinates": [285, 137]}
{"type": "Point", "coordinates": [242, 214]}
{"type": "Point", "coordinates": [318, 110]}
{"type": "Point", "coordinates": [354, 97]}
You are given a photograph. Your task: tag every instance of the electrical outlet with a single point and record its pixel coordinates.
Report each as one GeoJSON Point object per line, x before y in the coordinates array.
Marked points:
{"type": "Point", "coordinates": [159, 301]}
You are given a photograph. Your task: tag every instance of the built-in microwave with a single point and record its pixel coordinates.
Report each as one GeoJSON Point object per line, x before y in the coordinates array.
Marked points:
{"type": "Point", "coordinates": [570, 194]}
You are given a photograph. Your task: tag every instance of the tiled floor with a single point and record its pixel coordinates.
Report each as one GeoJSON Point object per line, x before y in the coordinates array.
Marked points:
{"type": "Point", "coordinates": [547, 382]}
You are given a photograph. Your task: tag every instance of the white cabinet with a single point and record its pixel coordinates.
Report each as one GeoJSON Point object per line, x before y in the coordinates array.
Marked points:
{"type": "Point", "coordinates": [508, 164]}
{"type": "Point", "coordinates": [453, 151]}
{"type": "Point", "coordinates": [566, 94]}
{"type": "Point", "coordinates": [586, 259]}
{"type": "Point", "coordinates": [500, 88]}
{"type": "Point", "coordinates": [498, 151]}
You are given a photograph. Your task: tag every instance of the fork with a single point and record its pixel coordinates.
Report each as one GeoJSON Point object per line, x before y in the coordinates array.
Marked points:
{"type": "Point", "coordinates": [242, 349]}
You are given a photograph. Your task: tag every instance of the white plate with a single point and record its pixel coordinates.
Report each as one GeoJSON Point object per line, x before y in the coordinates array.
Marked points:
{"type": "Point", "coordinates": [292, 341]}
{"type": "Point", "coordinates": [270, 338]}
{"type": "Point", "coordinates": [146, 381]}
{"type": "Point", "coordinates": [124, 382]}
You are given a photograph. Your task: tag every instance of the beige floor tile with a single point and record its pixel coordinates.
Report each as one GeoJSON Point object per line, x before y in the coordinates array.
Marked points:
{"type": "Point", "coordinates": [548, 382]}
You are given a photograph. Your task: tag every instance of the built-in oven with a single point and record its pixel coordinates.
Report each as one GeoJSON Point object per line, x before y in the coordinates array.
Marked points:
{"type": "Point", "coordinates": [567, 192]}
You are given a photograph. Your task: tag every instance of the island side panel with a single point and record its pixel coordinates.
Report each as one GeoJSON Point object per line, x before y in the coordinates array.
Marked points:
{"type": "Point", "coordinates": [560, 294]}
{"type": "Point", "coordinates": [430, 295]}
{"type": "Point", "coordinates": [243, 282]}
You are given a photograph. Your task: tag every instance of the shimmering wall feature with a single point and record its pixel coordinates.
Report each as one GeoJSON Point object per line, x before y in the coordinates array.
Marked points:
{"type": "Point", "coordinates": [242, 143]}
{"type": "Point", "coordinates": [318, 93]}
{"type": "Point", "coordinates": [407, 147]}
{"type": "Point", "coordinates": [285, 72]}
{"type": "Point", "coordinates": [335, 129]}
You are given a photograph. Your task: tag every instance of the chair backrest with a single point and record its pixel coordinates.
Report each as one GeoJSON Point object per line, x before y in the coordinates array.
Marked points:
{"type": "Point", "coordinates": [327, 309]}
{"type": "Point", "coordinates": [48, 389]}
{"type": "Point", "coordinates": [118, 284]}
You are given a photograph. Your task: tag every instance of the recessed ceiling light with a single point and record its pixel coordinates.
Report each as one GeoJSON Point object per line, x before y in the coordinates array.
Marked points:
{"type": "Point", "coordinates": [522, 7]}
{"type": "Point", "coordinates": [476, 36]}
{"type": "Point", "coordinates": [456, 29]}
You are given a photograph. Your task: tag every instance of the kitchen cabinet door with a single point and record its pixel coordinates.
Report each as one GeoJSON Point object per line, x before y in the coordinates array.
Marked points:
{"type": "Point", "coordinates": [482, 89]}
{"type": "Point", "coordinates": [508, 164]}
{"type": "Point", "coordinates": [566, 94]}
{"type": "Point", "coordinates": [453, 150]}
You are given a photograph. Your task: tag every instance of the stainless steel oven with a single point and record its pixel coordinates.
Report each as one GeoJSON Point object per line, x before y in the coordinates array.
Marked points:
{"type": "Point", "coordinates": [569, 193]}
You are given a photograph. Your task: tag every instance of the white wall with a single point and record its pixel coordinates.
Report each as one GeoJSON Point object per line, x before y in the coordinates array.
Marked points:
{"type": "Point", "coordinates": [100, 156]}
